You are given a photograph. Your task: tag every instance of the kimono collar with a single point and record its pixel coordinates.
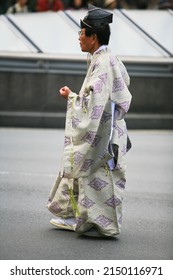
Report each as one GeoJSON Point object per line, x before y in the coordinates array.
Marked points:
{"type": "Point", "coordinates": [103, 47]}
{"type": "Point", "coordinates": [100, 50]}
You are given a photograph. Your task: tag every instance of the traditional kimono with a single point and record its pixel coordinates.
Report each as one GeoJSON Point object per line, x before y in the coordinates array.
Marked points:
{"type": "Point", "coordinates": [95, 147]}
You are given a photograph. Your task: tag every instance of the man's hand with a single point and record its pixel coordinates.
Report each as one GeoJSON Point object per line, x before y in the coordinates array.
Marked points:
{"type": "Point", "coordinates": [64, 91]}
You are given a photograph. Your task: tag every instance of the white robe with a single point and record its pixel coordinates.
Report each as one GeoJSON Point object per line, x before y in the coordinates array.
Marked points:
{"type": "Point", "coordinates": [94, 180]}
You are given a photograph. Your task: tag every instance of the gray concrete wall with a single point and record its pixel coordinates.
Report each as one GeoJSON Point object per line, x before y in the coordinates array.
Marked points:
{"type": "Point", "coordinates": [152, 95]}
{"type": "Point", "coordinates": [37, 92]}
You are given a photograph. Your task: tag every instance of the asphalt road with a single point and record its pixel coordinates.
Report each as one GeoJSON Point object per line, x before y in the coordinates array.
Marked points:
{"type": "Point", "coordinates": [29, 162]}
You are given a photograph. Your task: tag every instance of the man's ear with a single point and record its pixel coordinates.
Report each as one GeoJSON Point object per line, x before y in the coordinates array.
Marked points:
{"type": "Point", "coordinates": [94, 37]}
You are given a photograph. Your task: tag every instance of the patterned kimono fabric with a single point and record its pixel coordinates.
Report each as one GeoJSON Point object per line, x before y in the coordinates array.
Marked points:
{"type": "Point", "coordinates": [90, 190]}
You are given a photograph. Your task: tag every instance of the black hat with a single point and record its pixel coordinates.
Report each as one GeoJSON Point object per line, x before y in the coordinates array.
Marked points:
{"type": "Point", "coordinates": [96, 17]}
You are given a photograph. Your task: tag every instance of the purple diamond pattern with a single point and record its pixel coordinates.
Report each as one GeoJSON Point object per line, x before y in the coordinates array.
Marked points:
{"type": "Point", "coordinates": [113, 201]}
{"type": "Point", "coordinates": [125, 105]}
{"type": "Point", "coordinates": [105, 117]}
{"type": "Point", "coordinates": [96, 112]}
{"type": "Point", "coordinates": [80, 221]}
{"type": "Point", "coordinates": [96, 141]}
{"type": "Point", "coordinates": [118, 85]}
{"type": "Point", "coordinates": [89, 137]}
{"type": "Point", "coordinates": [67, 141]}
{"type": "Point", "coordinates": [75, 122]}
{"type": "Point", "coordinates": [121, 183]}
{"type": "Point", "coordinates": [120, 131]}
{"type": "Point", "coordinates": [103, 78]}
{"type": "Point", "coordinates": [78, 157]}
{"type": "Point", "coordinates": [98, 87]}
{"type": "Point", "coordinates": [55, 207]}
{"type": "Point", "coordinates": [87, 203]}
{"type": "Point", "coordinates": [98, 184]}
{"type": "Point", "coordinates": [86, 165]}
{"type": "Point", "coordinates": [66, 195]}
{"type": "Point", "coordinates": [103, 221]}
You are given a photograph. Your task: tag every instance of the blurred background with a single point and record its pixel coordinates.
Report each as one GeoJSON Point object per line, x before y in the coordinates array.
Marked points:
{"type": "Point", "coordinates": [39, 53]}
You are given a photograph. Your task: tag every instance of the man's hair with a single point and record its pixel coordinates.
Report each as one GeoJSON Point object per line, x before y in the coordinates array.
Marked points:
{"type": "Point", "coordinates": [102, 32]}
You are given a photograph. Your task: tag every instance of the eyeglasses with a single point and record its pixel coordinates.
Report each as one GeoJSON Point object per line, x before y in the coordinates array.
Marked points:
{"type": "Point", "coordinates": [80, 33]}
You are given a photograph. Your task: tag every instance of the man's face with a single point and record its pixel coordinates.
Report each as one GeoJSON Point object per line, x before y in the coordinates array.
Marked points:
{"type": "Point", "coordinates": [23, 2]}
{"type": "Point", "coordinates": [86, 43]}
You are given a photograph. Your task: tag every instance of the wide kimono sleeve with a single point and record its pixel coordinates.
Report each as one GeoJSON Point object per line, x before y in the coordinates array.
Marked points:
{"type": "Point", "coordinates": [88, 125]}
